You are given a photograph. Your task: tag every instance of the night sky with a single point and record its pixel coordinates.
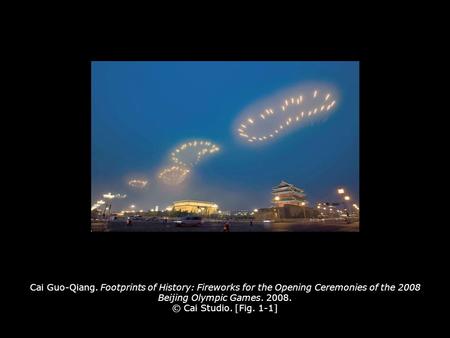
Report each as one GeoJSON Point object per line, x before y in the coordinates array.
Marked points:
{"type": "Point", "coordinates": [142, 110]}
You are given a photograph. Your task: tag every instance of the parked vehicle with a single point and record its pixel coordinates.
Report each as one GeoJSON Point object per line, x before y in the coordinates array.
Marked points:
{"type": "Point", "coordinates": [189, 221]}
{"type": "Point", "coordinates": [153, 219]}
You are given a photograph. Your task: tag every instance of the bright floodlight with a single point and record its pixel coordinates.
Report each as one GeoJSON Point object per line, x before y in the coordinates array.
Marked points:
{"type": "Point", "coordinates": [273, 117]}
{"type": "Point", "coordinates": [341, 191]}
{"type": "Point", "coordinates": [347, 198]}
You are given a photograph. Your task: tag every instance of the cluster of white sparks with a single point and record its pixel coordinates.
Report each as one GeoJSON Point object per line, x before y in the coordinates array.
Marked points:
{"type": "Point", "coordinates": [198, 148]}
{"type": "Point", "coordinates": [186, 156]}
{"type": "Point", "coordinates": [173, 175]}
{"type": "Point", "coordinates": [293, 111]}
{"type": "Point", "coordinates": [135, 183]}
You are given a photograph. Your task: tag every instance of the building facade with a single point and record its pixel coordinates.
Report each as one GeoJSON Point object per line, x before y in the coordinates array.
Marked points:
{"type": "Point", "coordinates": [286, 212]}
{"type": "Point", "coordinates": [196, 207]}
{"type": "Point", "coordinates": [287, 194]}
{"type": "Point", "coordinates": [288, 202]}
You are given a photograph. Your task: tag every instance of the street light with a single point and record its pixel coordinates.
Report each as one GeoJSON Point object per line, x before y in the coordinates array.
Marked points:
{"type": "Point", "coordinates": [109, 197]}
{"type": "Point", "coordinates": [277, 198]}
{"type": "Point", "coordinates": [341, 191]}
{"type": "Point", "coordinates": [347, 198]}
{"type": "Point", "coordinates": [255, 210]}
{"type": "Point", "coordinates": [304, 213]}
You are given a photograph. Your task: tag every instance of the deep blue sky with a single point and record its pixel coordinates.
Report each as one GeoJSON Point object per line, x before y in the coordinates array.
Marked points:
{"type": "Point", "coordinates": [142, 110]}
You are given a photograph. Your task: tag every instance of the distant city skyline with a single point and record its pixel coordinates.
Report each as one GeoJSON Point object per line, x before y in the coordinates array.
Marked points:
{"type": "Point", "coordinates": [141, 111]}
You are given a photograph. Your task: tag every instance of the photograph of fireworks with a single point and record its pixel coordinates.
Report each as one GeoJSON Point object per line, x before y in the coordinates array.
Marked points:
{"type": "Point", "coordinates": [225, 146]}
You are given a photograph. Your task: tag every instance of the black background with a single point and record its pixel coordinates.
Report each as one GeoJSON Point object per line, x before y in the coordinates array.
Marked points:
{"type": "Point", "coordinates": [59, 247]}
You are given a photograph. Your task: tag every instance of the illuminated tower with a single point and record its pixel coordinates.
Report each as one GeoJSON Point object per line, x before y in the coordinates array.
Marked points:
{"type": "Point", "coordinates": [288, 194]}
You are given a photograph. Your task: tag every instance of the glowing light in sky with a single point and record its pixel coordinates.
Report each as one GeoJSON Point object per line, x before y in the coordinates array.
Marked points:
{"type": "Point", "coordinates": [185, 156]}
{"type": "Point", "coordinates": [190, 153]}
{"type": "Point", "coordinates": [136, 183]}
{"type": "Point", "coordinates": [173, 175]}
{"type": "Point", "coordinates": [112, 196]}
{"type": "Point", "coordinates": [283, 112]}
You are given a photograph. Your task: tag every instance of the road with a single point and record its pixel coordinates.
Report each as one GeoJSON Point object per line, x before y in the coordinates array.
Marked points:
{"type": "Point", "coordinates": [296, 226]}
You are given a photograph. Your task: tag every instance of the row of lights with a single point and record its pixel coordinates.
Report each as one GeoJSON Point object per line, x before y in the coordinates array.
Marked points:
{"type": "Point", "coordinates": [243, 130]}
{"type": "Point", "coordinates": [109, 196]}
{"type": "Point", "coordinates": [341, 191]}
{"type": "Point", "coordinates": [176, 174]}
{"type": "Point", "coordinates": [137, 183]}
{"type": "Point", "coordinates": [141, 210]}
{"type": "Point", "coordinates": [207, 147]}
